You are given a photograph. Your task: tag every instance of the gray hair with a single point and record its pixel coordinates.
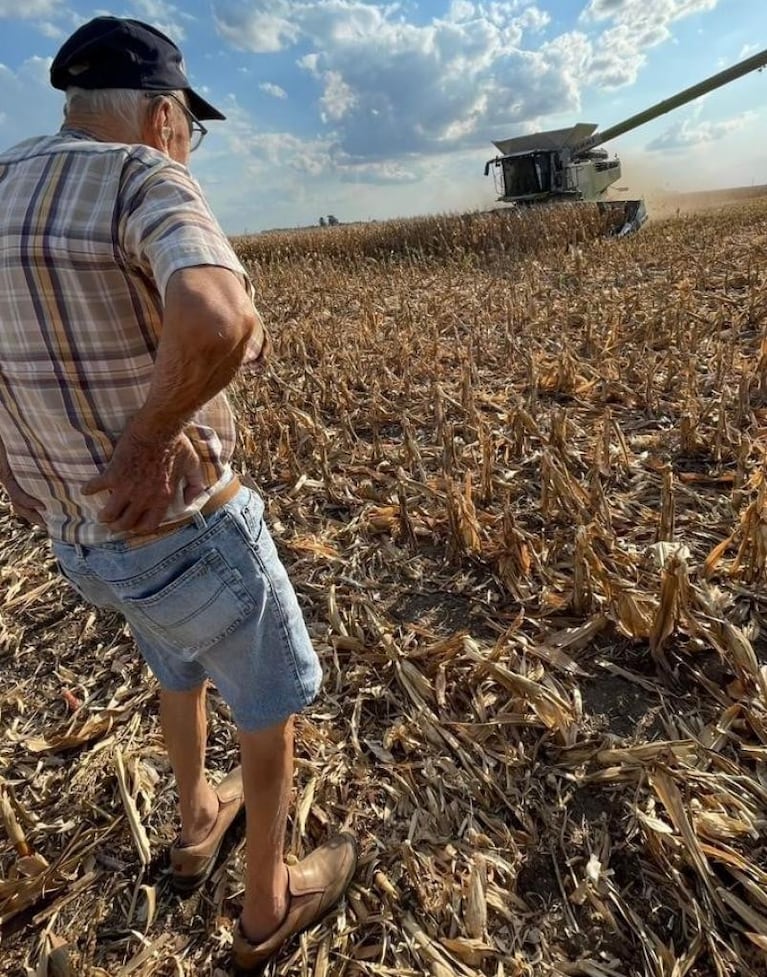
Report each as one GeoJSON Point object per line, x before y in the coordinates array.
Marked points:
{"type": "Point", "coordinates": [121, 104]}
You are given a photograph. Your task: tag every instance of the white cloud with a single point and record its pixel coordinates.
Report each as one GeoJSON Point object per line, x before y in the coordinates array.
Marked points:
{"type": "Point", "coordinates": [461, 10]}
{"type": "Point", "coordinates": [534, 19]}
{"type": "Point", "coordinates": [387, 172]}
{"type": "Point", "coordinates": [29, 10]}
{"type": "Point", "coordinates": [747, 50]}
{"type": "Point", "coordinates": [274, 90]}
{"type": "Point", "coordinates": [260, 31]}
{"type": "Point", "coordinates": [37, 71]}
{"type": "Point", "coordinates": [55, 20]}
{"type": "Point", "coordinates": [635, 27]}
{"type": "Point", "coordinates": [256, 179]}
{"type": "Point", "coordinates": [642, 12]}
{"type": "Point", "coordinates": [257, 151]}
{"type": "Point", "coordinates": [292, 174]}
{"type": "Point", "coordinates": [388, 87]}
{"type": "Point", "coordinates": [165, 16]}
{"type": "Point", "coordinates": [310, 62]}
{"type": "Point", "coordinates": [47, 29]}
{"type": "Point", "coordinates": [677, 138]}
{"type": "Point", "coordinates": [338, 98]}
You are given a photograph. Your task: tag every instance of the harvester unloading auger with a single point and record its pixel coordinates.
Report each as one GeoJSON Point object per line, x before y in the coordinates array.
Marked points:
{"type": "Point", "coordinates": [565, 164]}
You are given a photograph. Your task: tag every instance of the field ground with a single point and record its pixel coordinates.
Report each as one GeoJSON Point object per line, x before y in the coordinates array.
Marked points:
{"type": "Point", "coordinates": [517, 473]}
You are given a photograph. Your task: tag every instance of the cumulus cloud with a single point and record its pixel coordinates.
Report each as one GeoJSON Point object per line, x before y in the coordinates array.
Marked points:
{"type": "Point", "coordinates": [268, 156]}
{"type": "Point", "coordinates": [338, 98]}
{"type": "Point", "coordinates": [631, 28]}
{"type": "Point", "coordinates": [29, 10]}
{"type": "Point", "coordinates": [387, 172]}
{"type": "Point", "coordinates": [263, 30]}
{"type": "Point", "coordinates": [165, 16]}
{"type": "Point", "coordinates": [260, 152]}
{"type": "Point", "coordinates": [274, 90]}
{"type": "Point", "coordinates": [256, 179]}
{"type": "Point", "coordinates": [55, 20]}
{"type": "Point", "coordinates": [638, 12]}
{"type": "Point", "coordinates": [47, 29]}
{"type": "Point", "coordinates": [388, 87]}
{"type": "Point", "coordinates": [747, 50]}
{"type": "Point", "coordinates": [689, 133]}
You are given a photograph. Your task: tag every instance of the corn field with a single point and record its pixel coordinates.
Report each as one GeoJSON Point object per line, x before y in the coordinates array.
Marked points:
{"type": "Point", "coordinates": [517, 472]}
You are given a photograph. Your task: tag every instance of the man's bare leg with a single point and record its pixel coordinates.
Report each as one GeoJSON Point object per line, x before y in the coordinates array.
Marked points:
{"type": "Point", "coordinates": [185, 731]}
{"type": "Point", "coordinates": [267, 775]}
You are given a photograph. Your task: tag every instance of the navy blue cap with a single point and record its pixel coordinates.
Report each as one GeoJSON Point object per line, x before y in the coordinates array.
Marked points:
{"type": "Point", "coordinates": [115, 52]}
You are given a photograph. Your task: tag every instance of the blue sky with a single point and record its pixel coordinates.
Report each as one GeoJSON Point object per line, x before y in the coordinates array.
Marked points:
{"type": "Point", "coordinates": [374, 110]}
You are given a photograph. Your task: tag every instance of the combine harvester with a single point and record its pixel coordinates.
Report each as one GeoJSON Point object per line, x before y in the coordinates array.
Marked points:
{"type": "Point", "coordinates": [567, 165]}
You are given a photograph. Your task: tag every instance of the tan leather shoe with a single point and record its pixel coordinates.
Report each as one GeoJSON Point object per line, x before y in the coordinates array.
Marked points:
{"type": "Point", "coordinates": [191, 865]}
{"type": "Point", "coordinates": [315, 885]}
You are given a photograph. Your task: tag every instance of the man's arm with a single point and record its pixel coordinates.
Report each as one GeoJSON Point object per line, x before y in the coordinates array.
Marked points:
{"type": "Point", "coordinates": [207, 322]}
{"type": "Point", "coordinates": [24, 506]}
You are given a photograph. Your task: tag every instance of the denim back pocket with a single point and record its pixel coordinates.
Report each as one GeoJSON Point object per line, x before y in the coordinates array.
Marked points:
{"type": "Point", "coordinates": [197, 608]}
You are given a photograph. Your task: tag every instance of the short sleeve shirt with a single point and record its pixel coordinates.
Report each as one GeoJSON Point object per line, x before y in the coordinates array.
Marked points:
{"type": "Point", "coordinates": [90, 234]}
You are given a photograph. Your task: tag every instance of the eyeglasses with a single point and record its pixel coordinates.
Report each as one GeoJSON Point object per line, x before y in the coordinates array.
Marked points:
{"type": "Point", "coordinates": [197, 130]}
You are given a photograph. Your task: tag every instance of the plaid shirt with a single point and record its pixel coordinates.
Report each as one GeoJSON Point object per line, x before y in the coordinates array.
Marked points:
{"type": "Point", "coordinates": [90, 233]}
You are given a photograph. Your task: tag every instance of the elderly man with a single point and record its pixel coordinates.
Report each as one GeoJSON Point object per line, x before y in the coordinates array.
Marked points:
{"type": "Point", "coordinates": [125, 313]}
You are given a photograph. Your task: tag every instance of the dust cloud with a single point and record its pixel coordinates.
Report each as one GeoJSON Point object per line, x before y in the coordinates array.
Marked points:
{"type": "Point", "coordinates": [649, 180]}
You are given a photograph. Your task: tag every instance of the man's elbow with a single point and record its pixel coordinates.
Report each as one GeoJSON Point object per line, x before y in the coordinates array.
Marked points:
{"type": "Point", "coordinates": [226, 335]}
{"type": "Point", "coordinates": [210, 309]}
{"type": "Point", "coordinates": [235, 330]}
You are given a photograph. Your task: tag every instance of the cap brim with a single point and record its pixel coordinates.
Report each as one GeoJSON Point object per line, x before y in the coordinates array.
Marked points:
{"type": "Point", "coordinates": [202, 109]}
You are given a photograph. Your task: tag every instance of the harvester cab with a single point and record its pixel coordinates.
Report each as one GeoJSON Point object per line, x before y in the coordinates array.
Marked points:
{"type": "Point", "coordinates": [568, 164]}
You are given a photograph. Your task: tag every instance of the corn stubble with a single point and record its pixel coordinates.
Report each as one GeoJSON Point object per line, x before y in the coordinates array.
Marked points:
{"type": "Point", "coordinates": [517, 473]}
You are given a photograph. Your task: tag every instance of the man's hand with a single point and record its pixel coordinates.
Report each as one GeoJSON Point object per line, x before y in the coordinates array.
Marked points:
{"type": "Point", "coordinates": [143, 476]}
{"type": "Point", "coordinates": [25, 506]}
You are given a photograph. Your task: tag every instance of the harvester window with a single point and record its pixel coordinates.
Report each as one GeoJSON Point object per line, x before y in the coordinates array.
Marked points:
{"type": "Point", "coordinates": [527, 175]}
{"type": "Point", "coordinates": [520, 176]}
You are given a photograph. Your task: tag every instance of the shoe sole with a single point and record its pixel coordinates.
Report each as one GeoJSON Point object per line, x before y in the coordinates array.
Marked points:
{"type": "Point", "coordinates": [261, 968]}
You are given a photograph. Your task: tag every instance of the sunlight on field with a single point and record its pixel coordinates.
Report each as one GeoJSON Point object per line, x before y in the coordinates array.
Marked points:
{"type": "Point", "coordinates": [516, 471]}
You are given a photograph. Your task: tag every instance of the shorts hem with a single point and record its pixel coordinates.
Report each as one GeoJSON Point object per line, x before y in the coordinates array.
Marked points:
{"type": "Point", "coordinates": [176, 686]}
{"type": "Point", "coordinates": [262, 721]}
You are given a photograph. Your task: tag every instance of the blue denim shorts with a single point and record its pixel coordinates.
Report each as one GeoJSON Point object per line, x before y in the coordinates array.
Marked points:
{"type": "Point", "coordinates": [211, 599]}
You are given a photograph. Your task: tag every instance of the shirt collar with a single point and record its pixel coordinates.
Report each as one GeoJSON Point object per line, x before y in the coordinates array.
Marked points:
{"type": "Point", "coordinates": [73, 133]}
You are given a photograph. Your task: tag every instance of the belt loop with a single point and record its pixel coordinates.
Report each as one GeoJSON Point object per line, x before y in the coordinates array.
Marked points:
{"type": "Point", "coordinates": [199, 520]}
{"type": "Point", "coordinates": [79, 550]}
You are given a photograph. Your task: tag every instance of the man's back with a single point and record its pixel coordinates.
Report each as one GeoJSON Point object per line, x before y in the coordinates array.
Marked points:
{"type": "Point", "coordinates": [91, 233]}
